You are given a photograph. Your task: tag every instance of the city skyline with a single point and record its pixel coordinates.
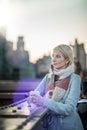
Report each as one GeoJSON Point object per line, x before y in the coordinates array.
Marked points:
{"type": "Point", "coordinates": [44, 24]}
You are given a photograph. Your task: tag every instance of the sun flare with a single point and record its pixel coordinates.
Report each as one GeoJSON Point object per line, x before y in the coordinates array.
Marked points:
{"type": "Point", "coordinates": [5, 13]}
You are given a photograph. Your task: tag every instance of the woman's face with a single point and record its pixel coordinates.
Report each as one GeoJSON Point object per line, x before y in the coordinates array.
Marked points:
{"type": "Point", "coordinates": [58, 61]}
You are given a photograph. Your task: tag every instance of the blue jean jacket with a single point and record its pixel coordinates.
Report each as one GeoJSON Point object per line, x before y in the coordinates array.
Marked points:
{"type": "Point", "coordinates": [66, 116]}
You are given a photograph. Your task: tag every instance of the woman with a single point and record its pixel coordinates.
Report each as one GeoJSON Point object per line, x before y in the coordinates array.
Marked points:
{"type": "Point", "coordinates": [59, 91]}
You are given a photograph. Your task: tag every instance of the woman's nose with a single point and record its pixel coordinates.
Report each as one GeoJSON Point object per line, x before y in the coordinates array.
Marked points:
{"type": "Point", "coordinates": [54, 59]}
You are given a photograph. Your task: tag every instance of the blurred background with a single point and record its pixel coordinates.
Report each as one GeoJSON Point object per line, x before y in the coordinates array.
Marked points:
{"type": "Point", "coordinates": [29, 29]}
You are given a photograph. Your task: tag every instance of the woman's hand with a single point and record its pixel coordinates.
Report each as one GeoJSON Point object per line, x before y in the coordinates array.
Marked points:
{"type": "Point", "coordinates": [36, 98]}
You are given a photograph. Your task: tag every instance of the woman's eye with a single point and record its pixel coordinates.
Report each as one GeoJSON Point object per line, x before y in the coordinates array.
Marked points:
{"type": "Point", "coordinates": [52, 55]}
{"type": "Point", "coordinates": [58, 56]}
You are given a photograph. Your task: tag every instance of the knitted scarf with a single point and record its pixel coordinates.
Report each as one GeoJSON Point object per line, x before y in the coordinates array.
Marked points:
{"type": "Point", "coordinates": [56, 89]}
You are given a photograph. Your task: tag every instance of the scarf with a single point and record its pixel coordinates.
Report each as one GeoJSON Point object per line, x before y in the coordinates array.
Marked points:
{"type": "Point", "coordinates": [63, 73]}
{"type": "Point", "coordinates": [57, 89]}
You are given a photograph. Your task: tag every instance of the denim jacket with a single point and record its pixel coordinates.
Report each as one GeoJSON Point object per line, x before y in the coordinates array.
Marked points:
{"type": "Point", "coordinates": [66, 108]}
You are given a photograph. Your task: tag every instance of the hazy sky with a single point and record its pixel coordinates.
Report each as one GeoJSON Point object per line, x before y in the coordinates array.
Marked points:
{"type": "Point", "coordinates": [44, 23]}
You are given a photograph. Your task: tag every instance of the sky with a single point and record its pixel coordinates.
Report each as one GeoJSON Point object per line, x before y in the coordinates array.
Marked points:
{"type": "Point", "coordinates": [44, 23]}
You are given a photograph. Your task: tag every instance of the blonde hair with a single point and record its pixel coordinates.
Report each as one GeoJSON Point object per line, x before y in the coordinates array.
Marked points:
{"type": "Point", "coordinates": [66, 52]}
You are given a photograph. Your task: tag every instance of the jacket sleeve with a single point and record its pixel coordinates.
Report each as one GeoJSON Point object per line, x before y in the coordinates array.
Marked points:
{"type": "Point", "coordinates": [70, 102]}
{"type": "Point", "coordinates": [42, 85]}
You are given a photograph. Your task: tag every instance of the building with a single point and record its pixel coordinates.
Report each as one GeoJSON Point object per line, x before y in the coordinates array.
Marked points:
{"type": "Point", "coordinates": [79, 53]}
{"type": "Point", "coordinates": [43, 66]}
{"type": "Point", "coordinates": [2, 56]}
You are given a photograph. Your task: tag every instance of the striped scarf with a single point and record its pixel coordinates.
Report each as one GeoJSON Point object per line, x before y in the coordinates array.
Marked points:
{"type": "Point", "coordinates": [56, 89]}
